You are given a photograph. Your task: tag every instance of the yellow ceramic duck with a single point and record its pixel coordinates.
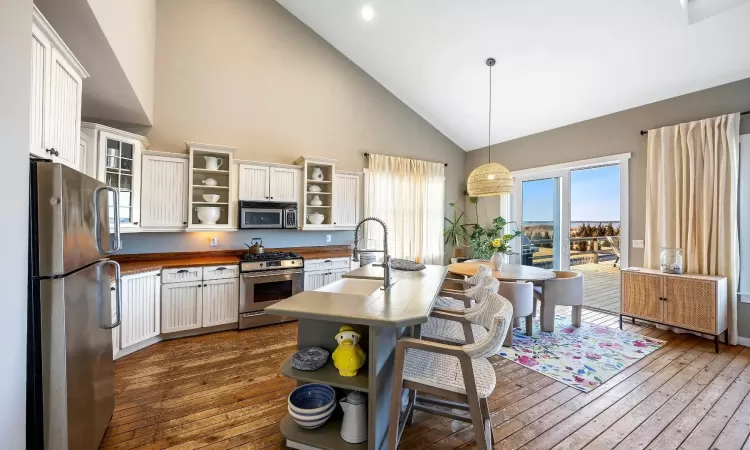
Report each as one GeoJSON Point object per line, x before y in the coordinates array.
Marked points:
{"type": "Point", "coordinates": [348, 356]}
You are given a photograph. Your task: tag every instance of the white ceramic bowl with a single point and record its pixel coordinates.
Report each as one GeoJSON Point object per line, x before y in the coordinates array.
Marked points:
{"type": "Point", "coordinates": [208, 215]}
{"type": "Point", "coordinates": [314, 188]}
{"type": "Point", "coordinates": [316, 218]}
{"type": "Point", "coordinates": [211, 198]}
{"type": "Point", "coordinates": [210, 182]}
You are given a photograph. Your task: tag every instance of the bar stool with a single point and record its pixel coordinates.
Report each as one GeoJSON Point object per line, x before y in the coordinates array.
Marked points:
{"type": "Point", "coordinates": [444, 326]}
{"type": "Point", "coordinates": [462, 375]}
{"type": "Point", "coordinates": [457, 299]}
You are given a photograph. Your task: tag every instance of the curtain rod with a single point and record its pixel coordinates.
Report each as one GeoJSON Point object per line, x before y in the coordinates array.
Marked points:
{"type": "Point", "coordinates": [643, 133]}
{"type": "Point", "coordinates": [444, 164]}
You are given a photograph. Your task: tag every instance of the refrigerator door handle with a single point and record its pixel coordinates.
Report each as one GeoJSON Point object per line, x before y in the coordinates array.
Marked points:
{"type": "Point", "coordinates": [118, 242]}
{"type": "Point", "coordinates": [118, 295]}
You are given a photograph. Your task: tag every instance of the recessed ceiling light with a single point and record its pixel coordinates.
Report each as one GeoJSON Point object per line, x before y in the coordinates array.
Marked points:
{"type": "Point", "coordinates": [367, 12]}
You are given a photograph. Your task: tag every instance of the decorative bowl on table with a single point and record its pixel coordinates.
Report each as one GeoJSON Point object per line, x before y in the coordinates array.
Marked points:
{"type": "Point", "coordinates": [311, 358]}
{"type": "Point", "coordinates": [311, 405]}
{"type": "Point", "coordinates": [211, 198]}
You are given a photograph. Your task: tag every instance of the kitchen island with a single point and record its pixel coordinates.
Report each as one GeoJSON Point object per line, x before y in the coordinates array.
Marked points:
{"type": "Point", "coordinates": [381, 317]}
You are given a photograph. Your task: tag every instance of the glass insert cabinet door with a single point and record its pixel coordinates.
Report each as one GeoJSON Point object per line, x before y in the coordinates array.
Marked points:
{"type": "Point", "coordinates": [120, 163]}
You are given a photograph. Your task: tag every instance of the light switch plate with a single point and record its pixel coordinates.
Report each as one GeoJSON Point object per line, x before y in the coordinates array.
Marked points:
{"type": "Point", "coordinates": [637, 243]}
{"type": "Point", "coordinates": [214, 242]}
{"type": "Point", "coordinates": [328, 238]}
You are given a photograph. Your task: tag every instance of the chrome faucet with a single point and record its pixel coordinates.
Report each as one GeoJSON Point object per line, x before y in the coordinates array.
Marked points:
{"type": "Point", "coordinates": [387, 277]}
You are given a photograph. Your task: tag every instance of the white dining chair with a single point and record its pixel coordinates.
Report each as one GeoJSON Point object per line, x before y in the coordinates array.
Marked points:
{"type": "Point", "coordinates": [461, 376]}
{"type": "Point", "coordinates": [520, 294]}
{"type": "Point", "coordinates": [566, 289]}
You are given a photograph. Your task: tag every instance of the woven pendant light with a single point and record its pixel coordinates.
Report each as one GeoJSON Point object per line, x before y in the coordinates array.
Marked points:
{"type": "Point", "coordinates": [491, 178]}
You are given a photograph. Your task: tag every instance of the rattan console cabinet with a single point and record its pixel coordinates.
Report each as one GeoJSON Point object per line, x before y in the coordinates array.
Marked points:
{"type": "Point", "coordinates": [690, 301]}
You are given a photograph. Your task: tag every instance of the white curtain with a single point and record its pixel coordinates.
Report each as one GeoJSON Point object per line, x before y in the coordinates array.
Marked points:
{"type": "Point", "coordinates": [691, 199]}
{"type": "Point", "coordinates": [409, 196]}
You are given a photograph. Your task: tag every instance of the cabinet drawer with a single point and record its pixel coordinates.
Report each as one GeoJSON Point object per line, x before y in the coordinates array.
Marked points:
{"type": "Point", "coordinates": [325, 264]}
{"type": "Point", "coordinates": [181, 275]}
{"type": "Point", "coordinates": [221, 272]}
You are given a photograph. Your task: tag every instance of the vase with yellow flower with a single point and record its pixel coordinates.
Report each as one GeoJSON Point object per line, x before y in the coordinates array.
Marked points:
{"type": "Point", "coordinates": [493, 242]}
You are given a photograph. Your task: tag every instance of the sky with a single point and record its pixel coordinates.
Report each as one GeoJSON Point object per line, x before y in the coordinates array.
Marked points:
{"type": "Point", "coordinates": [594, 196]}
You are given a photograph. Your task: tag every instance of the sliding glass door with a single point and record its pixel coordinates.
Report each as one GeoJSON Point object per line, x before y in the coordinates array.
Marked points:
{"type": "Point", "coordinates": [574, 218]}
{"type": "Point", "coordinates": [541, 216]}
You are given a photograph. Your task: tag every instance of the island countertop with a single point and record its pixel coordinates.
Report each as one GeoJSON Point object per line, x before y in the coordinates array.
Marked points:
{"type": "Point", "coordinates": [408, 301]}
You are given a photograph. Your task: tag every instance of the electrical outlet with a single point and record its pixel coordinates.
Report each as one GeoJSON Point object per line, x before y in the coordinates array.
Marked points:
{"type": "Point", "coordinates": [328, 238]}
{"type": "Point", "coordinates": [214, 242]}
{"type": "Point", "coordinates": [637, 243]}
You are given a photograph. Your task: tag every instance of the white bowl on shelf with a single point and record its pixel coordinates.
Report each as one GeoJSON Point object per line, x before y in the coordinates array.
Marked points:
{"type": "Point", "coordinates": [208, 215]}
{"type": "Point", "coordinates": [210, 182]}
{"type": "Point", "coordinates": [211, 198]}
{"type": "Point", "coordinates": [316, 218]}
{"type": "Point", "coordinates": [314, 188]}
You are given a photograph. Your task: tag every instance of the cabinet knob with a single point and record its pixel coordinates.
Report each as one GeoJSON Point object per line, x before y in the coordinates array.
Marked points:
{"type": "Point", "coordinates": [184, 223]}
{"type": "Point", "coordinates": [271, 198]}
{"type": "Point", "coordinates": [135, 223]}
{"type": "Point", "coordinates": [205, 285]}
{"type": "Point", "coordinates": [112, 289]}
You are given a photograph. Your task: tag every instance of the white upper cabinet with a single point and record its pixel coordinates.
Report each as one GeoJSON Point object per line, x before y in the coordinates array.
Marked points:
{"type": "Point", "coordinates": [284, 184]}
{"type": "Point", "coordinates": [56, 92]}
{"type": "Point", "coordinates": [269, 183]}
{"type": "Point", "coordinates": [254, 184]}
{"type": "Point", "coordinates": [164, 192]}
{"type": "Point", "coordinates": [118, 164]}
{"type": "Point", "coordinates": [346, 195]}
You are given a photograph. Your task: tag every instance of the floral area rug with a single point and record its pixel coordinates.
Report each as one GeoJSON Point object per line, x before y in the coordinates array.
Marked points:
{"type": "Point", "coordinates": [583, 358]}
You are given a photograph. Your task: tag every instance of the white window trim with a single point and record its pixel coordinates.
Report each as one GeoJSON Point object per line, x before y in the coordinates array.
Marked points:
{"type": "Point", "coordinates": [623, 159]}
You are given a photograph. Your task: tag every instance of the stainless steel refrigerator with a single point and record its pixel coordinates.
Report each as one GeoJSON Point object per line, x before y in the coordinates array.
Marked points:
{"type": "Point", "coordinates": [70, 388]}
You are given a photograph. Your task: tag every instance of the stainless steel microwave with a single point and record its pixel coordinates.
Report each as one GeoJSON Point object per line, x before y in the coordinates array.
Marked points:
{"type": "Point", "coordinates": [260, 215]}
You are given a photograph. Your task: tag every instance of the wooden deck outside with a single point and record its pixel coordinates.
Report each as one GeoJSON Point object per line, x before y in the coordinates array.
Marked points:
{"type": "Point", "coordinates": [601, 286]}
{"type": "Point", "coordinates": [224, 391]}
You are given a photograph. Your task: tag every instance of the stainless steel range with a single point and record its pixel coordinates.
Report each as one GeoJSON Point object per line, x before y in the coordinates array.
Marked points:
{"type": "Point", "coordinates": [267, 278]}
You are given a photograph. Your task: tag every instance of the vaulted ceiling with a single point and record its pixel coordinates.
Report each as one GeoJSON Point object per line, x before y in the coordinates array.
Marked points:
{"type": "Point", "coordinates": [558, 62]}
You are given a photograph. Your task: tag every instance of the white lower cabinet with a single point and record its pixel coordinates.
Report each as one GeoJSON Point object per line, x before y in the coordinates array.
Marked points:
{"type": "Point", "coordinates": [220, 301]}
{"type": "Point", "coordinates": [141, 309]}
{"type": "Point", "coordinates": [213, 299]}
{"type": "Point", "coordinates": [315, 280]}
{"type": "Point", "coordinates": [320, 272]}
{"type": "Point", "coordinates": [181, 306]}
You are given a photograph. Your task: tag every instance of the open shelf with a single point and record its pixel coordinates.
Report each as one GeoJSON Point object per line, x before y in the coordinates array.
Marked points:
{"type": "Point", "coordinates": [318, 193]}
{"type": "Point", "coordinates": [327, 437]}
{"type": "Point", "coordinates": [210, 203]}
{"type": "Point", "coordinates": [327, 374]}
{"type": "Point", "coordinates": [318, 181]}
{"type": "Point", "coordinates": [320, 206]}
{"type": "Point", "coordinates": [219, 171]}
{"type": "Point", "coordinates": [203, 186]}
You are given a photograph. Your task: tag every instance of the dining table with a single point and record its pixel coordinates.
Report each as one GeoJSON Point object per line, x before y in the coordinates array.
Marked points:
{"type": "Point", "coordinates": [507, 272]}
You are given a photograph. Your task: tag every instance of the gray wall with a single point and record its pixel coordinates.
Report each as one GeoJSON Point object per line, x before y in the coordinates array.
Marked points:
{"type": "Point", "coordinates": [619, 133]}
{"type": "Point", "coordinates": [199, 241]}
{"type": "Point", "coordinates": [15, 60]}
{"type": "Point", "coordinates": [249, 74]}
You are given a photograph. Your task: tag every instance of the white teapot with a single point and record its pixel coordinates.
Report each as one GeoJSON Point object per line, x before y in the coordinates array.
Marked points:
{"type": "Point", "coordinates": [317, 174]}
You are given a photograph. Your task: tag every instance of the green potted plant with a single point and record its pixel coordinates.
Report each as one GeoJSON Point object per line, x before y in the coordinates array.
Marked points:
{"type": "Point", "coordinates": [457, 233]}
{"type": "Point", "coordinates": [492, 243]}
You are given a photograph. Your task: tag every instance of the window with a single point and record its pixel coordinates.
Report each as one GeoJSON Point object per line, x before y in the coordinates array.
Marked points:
{"type": "Point", "coordinates": [743, 214]}
{"type": "Point", "coordinates": [409, 196]}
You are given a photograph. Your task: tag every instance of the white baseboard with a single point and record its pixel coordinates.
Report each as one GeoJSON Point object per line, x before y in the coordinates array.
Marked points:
{"type": "Point", "coordinates": [743, 341]}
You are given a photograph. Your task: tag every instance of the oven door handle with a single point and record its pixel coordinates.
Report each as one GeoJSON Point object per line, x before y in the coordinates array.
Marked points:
{"type": "Point", "coordinates": [271, 274]}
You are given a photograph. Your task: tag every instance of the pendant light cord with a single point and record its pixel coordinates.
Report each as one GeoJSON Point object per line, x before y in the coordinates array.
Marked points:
{"type": "Point", "coordinates": [490, 62]}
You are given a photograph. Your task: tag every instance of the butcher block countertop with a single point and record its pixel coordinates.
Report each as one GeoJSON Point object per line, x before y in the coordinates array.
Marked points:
{"type": "Point", "coordinates": [407, 302]}
{"type": "Point", "coordinates": [142, 263]}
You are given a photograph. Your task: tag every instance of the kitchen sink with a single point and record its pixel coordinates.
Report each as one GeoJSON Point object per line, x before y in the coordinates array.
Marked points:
{"type": "Point", "coordinates": [352, 286]}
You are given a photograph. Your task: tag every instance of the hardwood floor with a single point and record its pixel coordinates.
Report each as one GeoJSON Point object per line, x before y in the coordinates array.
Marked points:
{"type": "Point", "coordinates": [224, 391]}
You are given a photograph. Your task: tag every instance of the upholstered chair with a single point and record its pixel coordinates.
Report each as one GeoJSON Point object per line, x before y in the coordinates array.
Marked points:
{"type": "Point", "coordinates": [566, 289]}
{"type": "Point", "coordinates": [521, 296]}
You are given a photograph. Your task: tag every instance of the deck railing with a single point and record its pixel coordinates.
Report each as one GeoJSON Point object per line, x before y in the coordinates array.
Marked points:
{"type": "Point", "coordinates": [581, 257]}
